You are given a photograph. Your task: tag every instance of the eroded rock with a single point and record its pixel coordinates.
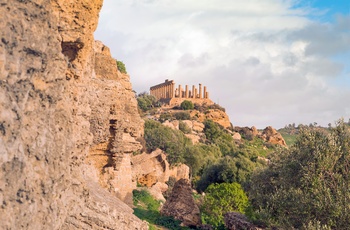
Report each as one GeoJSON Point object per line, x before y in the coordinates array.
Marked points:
{"type": "Point", "coordinates": [181, 204]}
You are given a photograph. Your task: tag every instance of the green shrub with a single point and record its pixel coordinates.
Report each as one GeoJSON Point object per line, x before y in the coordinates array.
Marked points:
{"type": "Point", "coordinates": [212, 130]}
{"type": "Point", "coordinates": [169, 222]}
{"type": "Point", "coordinates": [227, 170]}
{"type": "Point", "coordinates": [186, 105]}
{"type": "Point", "coordinates": [220, 199]}
{"type": "Point", "coordinates": [184, 128]}
{"type": "Point", "coordinates": [307, 184]}
{"type": "Point", "coordinates": [173, 142]}
{"type": "Point", "coordinates": [182, 116]}
{"type": "Point", "coordinates": [166, 117]}
{"type": "Point", "coordinates": [121, 67]}
{"type": "Point", "coordinates": [146, 102]}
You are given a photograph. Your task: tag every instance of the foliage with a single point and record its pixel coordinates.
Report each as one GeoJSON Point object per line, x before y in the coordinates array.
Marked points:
{"type": "Point", "coordinates": [182, 116]}
{"type": "Point", "coordinates": [308, 183]}
{"type": "Point", "coordinates": [204, 107]}
{"type": "Point", "coordinates": [220, 199]}
{"type": "Point", "coordinates": [186, 105]}
{"type": "Point", "coordinates": [147, 208]}
{"type": "Point", "coordinates": [227, 170]}
{"type": "Point", "coordinates": [173, 142]}
{"type": "Point", "coordinates": [121, 67]}
{"type": "Point", "coordinates": [184, 127]}
{"type": "Point", "coordinates": [145, 198]}
{"type": "Point", "coordinates": [165, 117]}
{"type": "Point", "coordinates": [146, 101]}
{"type": "Point", "coordinates": [212, 130]}
{"type": "Point", "coordinates": [169, 222]}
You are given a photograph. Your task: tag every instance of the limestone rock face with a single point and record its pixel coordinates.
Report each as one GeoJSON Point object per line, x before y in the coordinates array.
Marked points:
{"type": "Point", "coordinates": [270, 135]}
{"type": "Point", "coordinates": [58, 106]}
{"type": "Point", "coordinates": [115, 125]}
{"type": "Point", "coordinates": [149, 169]}
{"type": "Point", "coordinates": [181, 204]}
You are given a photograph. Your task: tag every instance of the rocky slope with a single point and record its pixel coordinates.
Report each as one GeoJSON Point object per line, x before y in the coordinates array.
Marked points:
{"type": "Point", "coordinates": [68, 121]}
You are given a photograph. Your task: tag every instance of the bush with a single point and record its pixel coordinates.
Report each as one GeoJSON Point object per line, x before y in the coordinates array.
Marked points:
{"type": "Point", "coordinates": [227, 170]}
{"type": "Point", "coordinates": [307, 184]}
{"type": "Point", "coordinates": [212, 130]}
{"type": "Point", "coordinates": [182, 116]}
{"type": "Point", "coordinates": [165, 117]}
{"type": "Point", "coordinates": [169, 222]}
{"type": "Point", "coordinates": [183, 127]}
{"type": "Point", "coordinates": [121, 67]}
{"type": "Point", "coordinates": [187, 105]}
{"type": "Point", "coordinates": [173, 142]}
{"type": "Point", "coordinates": [220, 199]}
{"type": "Point", "coordinates": [146, 102]}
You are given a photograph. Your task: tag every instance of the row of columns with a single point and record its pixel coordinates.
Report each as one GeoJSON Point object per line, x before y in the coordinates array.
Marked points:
{"type": "Point", "coordinates": [167, 90]}
{"type": "Point", "coordinates": [162, 91]}
{"type": "Point", "coordinates": [194, 93]}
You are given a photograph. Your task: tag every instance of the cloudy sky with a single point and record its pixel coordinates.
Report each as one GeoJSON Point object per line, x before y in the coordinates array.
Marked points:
{"type": "Point", "coordinates": [268, 62]}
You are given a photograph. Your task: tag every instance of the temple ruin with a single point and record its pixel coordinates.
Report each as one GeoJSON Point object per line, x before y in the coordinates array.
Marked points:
{"type": "Point", "coordinates": [168, 93]}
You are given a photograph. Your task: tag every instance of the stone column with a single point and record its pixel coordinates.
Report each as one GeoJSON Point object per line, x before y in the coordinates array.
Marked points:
{"type": "Point", "coordinates": [186, 92]}
{"type": "Point", "coordinates": [180, 91]}
{"type": "Point", "coordinates": [207, 95]}
{"type": "Point", "coordinates": [200, 90]}
{"type": "Point", "coordinates": [193, 92]}
{"type": "Point", "coordinates": [205, 92]}
{"type": "Point", "coordinates": [172, 90]}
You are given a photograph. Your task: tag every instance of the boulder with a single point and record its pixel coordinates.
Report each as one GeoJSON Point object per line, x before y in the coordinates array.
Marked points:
{"type": "Point", "coordinates": [238, 221]}
{"type": "Point", "coordinates": [181, 204]}
{"type": "Point", "coordinates": [236, 136]}
{"type": "Point", "coordinates": [270, 135]}
{"type": "Point", "coordinates": [197, 126]}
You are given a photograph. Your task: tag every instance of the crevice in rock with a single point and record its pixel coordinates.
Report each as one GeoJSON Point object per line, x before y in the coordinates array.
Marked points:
{"type": "Point", "coordinates": [71, 49]}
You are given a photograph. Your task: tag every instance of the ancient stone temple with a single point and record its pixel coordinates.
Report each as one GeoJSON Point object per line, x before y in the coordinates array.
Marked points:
{"type": "Point", "coordinates": [168, 93]}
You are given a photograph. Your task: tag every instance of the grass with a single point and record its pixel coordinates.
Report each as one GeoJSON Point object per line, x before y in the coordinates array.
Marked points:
{"type": "Point", "coordinates": [147, 208]}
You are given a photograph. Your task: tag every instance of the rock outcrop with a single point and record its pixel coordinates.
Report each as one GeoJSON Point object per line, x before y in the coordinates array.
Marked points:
{"type": "Point", "coordinates": [237, 221]}
{"type": "Point", "coordinates": [270, 135]}
{"type": "Point", "coordinates": [153, 171]}
{"type": "Point", "coordinates": [58, 105]}
{"type": "Point", "coordinates": [215, 115]}
{"type": "Point", "coordinates": [181, 204]}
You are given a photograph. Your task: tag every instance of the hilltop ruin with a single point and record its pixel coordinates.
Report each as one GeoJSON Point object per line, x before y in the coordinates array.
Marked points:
{"type": "Point", "coordinates": [167, 93]}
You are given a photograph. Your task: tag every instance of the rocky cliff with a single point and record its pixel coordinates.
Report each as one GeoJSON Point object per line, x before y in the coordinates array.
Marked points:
{"type": "Point", "coordinates": [68, 121]}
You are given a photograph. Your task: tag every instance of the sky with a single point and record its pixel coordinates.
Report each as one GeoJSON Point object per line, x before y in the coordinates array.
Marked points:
{"type": "Point", "coordinates": [267, 62]}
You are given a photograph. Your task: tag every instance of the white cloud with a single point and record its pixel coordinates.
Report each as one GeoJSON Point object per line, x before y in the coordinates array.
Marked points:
{"type": "Point", "coordinates": [265, 61]}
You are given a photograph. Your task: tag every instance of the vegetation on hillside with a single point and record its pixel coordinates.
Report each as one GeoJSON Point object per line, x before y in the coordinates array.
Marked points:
{"type": "Point", "coordinates": [305, 186]}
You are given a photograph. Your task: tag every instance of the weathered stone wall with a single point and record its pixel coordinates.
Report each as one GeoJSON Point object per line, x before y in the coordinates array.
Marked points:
{"type": "Point", "coordinates": [55, 110]}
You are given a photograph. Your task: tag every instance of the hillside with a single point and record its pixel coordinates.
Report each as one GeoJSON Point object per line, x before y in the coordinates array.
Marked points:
{"type": "Point", "coordinates": [202, 137]}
